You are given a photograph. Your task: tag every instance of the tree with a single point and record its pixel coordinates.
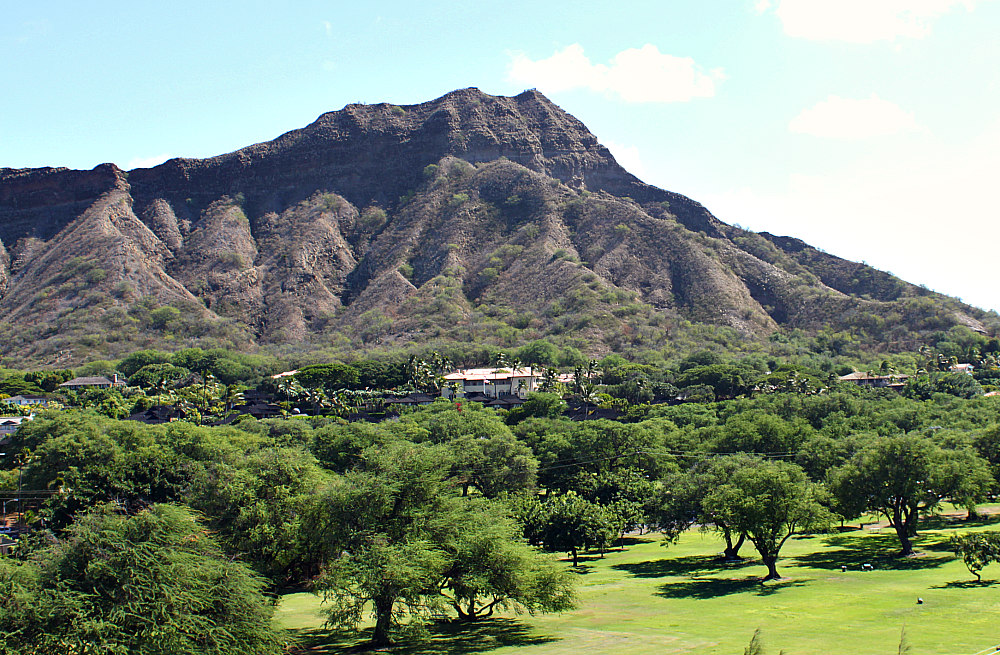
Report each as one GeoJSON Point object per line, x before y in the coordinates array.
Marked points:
{"type": "Point", "coordinates": [494, 465]}
{"type": "Point", "coordinates": [538, 404]}
{"type": "Point", "coordinates": [726, 380]}
{"type": "Point", "coordinates": [768, 501]}
{"type": "Point", "coordinates": [388, 520]}
{"type": "Point", "coordinates": [485, 453]}
{"type": "Point", "coordinates": [259, 505]}
{"type": "Point", "coordinates": [148, 584]}
{"type": "Point", "coordinates": [137, 360]}
{"type": "Point", "coordinates": [541, 353]}
{"type": "Point", "coordinates": [680, 502]}
{"type": "Point", "coordinates": [968, 478]}
{"type": "Point", "coordinates": [88, 459]}
{"type": "Point", "coordinates": [566, 524]}
{"type": "Point", "coordinates": [902, 476]}
{"type": "Point", "coordinates": [491, 567]}
{"type": "Point", "coordinates": [158, 376]}
{"type": "Point", "coordinates": [328, 376]}
{"type": "Point", "coordinates": [977, 550]}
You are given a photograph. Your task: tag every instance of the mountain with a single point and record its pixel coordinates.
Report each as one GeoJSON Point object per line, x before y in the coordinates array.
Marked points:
{"type": "Point", "coordinates": [470, 218]}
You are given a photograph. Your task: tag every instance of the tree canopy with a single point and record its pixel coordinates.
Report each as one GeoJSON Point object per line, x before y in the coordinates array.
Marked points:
{"type": "Point", "coordinates": [147, 584]}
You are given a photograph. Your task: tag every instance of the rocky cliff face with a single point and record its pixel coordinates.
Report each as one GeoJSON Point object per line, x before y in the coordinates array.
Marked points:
{"type": "Point", "coordinates": [471, 217]}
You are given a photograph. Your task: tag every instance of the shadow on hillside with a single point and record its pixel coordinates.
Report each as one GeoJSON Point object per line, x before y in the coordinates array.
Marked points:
{"type": "Point", "coordinates": [705, 588]}
{"type": "Point", "coordinates": [879, 550]}
{"type": "Point", "coordinates": [659, 568]}
{"type": "Point", "coordinates": [441, 637]}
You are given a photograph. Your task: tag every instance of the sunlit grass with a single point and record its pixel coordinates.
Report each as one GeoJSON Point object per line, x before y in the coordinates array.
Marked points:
{"type": "Point", "coordinates": [682, 599]}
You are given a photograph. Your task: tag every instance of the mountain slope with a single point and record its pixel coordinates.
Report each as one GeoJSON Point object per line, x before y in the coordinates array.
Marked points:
{"type": "Point", "coordinates": [471, 218]}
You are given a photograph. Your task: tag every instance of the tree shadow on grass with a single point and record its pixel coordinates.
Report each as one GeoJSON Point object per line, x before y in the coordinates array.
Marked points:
{"type": "Point", "coordinates": [942, 522]}
{"type": "Point", "coordinates": [879, 550]}
{"type": "Point", "coordinates": [705, 588]}
{"type": "Point", "coordinates": [441, 637]}
{"type": "Point", "coordinates": [967, 584]}
{"type": "Point", "coordinates": [581, 569]}
{"type": "Point", "coordinates": [659, 568]}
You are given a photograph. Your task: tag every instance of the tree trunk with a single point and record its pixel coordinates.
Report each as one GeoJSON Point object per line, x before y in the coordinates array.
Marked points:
{"type": "Point", "coordinates": [732, 551]}
{"type": "Point", "coordinates": [573, 552]}
{"type": "Point", "coordinates": [772, 568]}
{"type": "Point", "coordinates": [903, 532]}
{"type": "Point", "coordinates": [383, 620]}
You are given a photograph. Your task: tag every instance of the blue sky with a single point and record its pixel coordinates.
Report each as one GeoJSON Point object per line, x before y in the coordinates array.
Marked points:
{"type": "Point", "coordinates": [868, 128]}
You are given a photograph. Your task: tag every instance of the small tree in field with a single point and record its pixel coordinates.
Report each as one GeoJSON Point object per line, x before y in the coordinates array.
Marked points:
{"type": "Point", "coordinates": [977, 550]}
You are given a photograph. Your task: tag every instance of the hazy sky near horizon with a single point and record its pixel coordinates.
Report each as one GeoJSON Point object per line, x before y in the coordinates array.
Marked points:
{"type": "Point", "coordinates": [867, 128]}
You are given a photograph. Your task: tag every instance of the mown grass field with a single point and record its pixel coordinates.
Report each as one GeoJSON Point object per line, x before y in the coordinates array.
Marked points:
{"type": "Point", "coordinates": [681, 599]}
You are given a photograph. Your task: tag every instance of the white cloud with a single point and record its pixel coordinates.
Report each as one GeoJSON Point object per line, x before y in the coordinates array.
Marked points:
{"type": "Point", "coordinates": [925, 214]}
{"type": "Point", "coordinates": [146, 162]}
{"type": "Point", "coordinates": [628, 157]}
{"type": "Point", "coordinates": [862, 21]}
{"type": "Point", "coordinates": [847, 118]}
{"type": "Point", "coordinates": [635, 75]}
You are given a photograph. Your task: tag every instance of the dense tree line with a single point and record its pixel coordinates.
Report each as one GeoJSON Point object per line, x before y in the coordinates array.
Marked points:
{"type": "Point", "coordinates": [443, 511]}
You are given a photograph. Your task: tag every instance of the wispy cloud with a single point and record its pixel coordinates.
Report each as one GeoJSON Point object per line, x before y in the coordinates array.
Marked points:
{"type": "Point", "coordinates": [634, 75]}
{"type": "Point", "coordinates": [905, 212]}
{"type": "Point", "coordinates": [861, 21]}
{"type": "Point", "coordinates": [628, 157]}
{"type": "Point", "coordinates": [146, 162]}
{"type": "Point", "coordinates": [847, 118]}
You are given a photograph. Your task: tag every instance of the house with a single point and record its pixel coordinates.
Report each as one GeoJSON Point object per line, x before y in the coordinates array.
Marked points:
{"type": "Point", "coordinates": [98, 382]}
{"type": "Point", "coordinates": [157, 414]}
{"type": "Point", "coordinates": [6, 545]}
{"type": "Point", "coordinates": [493, 382]}
{"type": "Point", "coordinates": [961, 368]}
{"type": "Point", "coordinates": [415, 398]}
{"type": "Point", "coordinates": [259, 408]}
{"type": "Point", "coordinates": [10, 424]}
{"type": "Point", "coordinates": [22, 401]}
{"type": "Point", "coordinates": [878, 381]}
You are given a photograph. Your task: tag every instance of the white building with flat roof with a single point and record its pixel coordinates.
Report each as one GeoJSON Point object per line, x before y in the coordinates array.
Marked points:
{"type": "Point", "coordinates": [493, 382]}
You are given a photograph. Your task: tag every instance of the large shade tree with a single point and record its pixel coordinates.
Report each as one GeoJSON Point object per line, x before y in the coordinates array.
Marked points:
{"type": "Point", "coordinates": [407, 545]}
{"type": "Point", "coordinates": [679, 502]}
{"type": "Point", "coordinates": [904, 475]}
{"type": "Point", "coordinates": [768, 501]}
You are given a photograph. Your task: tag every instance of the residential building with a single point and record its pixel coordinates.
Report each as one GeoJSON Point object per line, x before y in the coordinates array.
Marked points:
{"type": "Point", "coordinates": [10, 424]}
{"type": "Point", "coordinates": [22, 401]}
{"type": "Point", "coordinates": [872, 380]}
{"type": "Point", "coordinates": [98, 382]}
{"type": "Point", "coordinates": [492, 382]}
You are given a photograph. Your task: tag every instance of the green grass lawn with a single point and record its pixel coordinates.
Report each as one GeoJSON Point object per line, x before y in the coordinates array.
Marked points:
{"type": "Point", "coordinates": [681, 599]}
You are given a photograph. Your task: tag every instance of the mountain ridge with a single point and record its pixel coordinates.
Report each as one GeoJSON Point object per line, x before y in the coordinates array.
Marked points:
{"type": "Point", "coordinates": [470, 217]}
